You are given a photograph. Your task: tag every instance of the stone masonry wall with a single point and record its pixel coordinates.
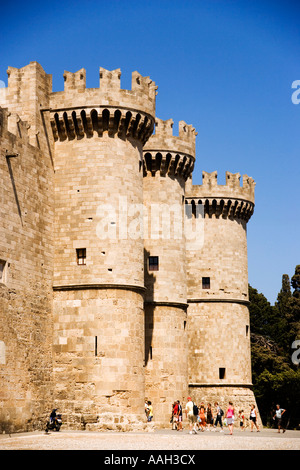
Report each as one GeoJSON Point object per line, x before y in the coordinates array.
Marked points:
{"type": "Point", "coordinates": [99, 357]}
{"type": "Point", "coordinates": [219, 337]}
{"type": "Point", "coordinates": [222, 256]}
{"type": "Point", "coordinates": [26, 284]}
{"type": "Point", "coordinates": [84, 323]}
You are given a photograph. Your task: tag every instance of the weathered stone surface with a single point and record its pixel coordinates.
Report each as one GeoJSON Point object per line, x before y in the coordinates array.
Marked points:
{"type": "Point", "coordinates": [88, 195]}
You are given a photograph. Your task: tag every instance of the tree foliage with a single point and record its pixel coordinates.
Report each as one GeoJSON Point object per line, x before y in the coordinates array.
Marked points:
{"type": "Point", "coordinates": [274, 330]}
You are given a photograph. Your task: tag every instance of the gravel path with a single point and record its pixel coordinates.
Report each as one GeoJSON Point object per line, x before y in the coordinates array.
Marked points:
{"type": "Point", "coordinates": [157, 440]}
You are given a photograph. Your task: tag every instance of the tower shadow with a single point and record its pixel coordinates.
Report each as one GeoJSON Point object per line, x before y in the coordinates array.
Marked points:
{"type": "Point", "coordinates": [149, 280]}
{"type": "Point", "coordinates": [14, 187]}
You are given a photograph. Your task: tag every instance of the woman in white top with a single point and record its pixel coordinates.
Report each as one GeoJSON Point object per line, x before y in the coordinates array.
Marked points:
{"type": "Point", "coordinates": [253, 418]}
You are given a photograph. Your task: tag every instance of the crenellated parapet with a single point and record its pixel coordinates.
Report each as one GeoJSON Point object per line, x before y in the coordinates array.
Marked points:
{"type": "Point", "coordinates": [230, 200]}
{"type": "Point", "coordinates": [75, 81]}
{"type": "Point", "coordinates": [166, 153]}
{"type": "Point", "coordinates": [22, 82]}
{"type": "Point", "coordinates": [78, 111]}
{"type": "Point", "coordinates": [27, 94]}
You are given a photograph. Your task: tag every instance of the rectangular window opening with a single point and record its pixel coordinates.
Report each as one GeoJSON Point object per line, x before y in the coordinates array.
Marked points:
{"type": "Point", "coordinates": [3, 266]}
{"type": "Point", "coordinates": [206, 283]}
{"type": "Point", "coordinates": [222, 371]}
{"type": "Point", "coordinates": [81, 255]}
{"type": "Point", "coordinates": [153, 263]}
{"type": "Point", "coordinates": [247, 331]}
{"type": "Point", "coordinates": [96, 345]}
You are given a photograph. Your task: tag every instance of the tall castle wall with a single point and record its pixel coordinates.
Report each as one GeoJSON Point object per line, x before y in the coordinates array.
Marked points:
{"type": "Point", "coordinates": [25, 278]}
{"type": "Point", "coordinates": [168, 161]}
{"type": "Point", "coordinates": [217, 272]}
{"type": "Point", "coordinates": [98, 298]}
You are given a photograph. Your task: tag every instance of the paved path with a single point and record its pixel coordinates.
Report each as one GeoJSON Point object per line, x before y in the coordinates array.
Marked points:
{"type": "Point", "coordinates": [157, 440]}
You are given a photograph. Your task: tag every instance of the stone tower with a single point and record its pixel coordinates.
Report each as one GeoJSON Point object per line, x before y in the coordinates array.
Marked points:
{"type": "Point", "coordinates": [217, 279]}
{"type": "Point", "coordinates": [168, 162]}
{"type": "Point", "coordinates": [99, 266]}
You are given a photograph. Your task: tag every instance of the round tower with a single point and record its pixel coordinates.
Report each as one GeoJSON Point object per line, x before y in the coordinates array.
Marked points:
{"type": "Point", "coordinates": [219, 329]}
{"type": "Point", "coordinates": [99, 267]}
{"type": "Point", "coordinates": [168, 162]}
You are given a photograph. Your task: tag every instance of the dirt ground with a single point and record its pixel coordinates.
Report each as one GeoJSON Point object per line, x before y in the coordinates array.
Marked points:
{"type": "Point", "coordinates": [156, 440]}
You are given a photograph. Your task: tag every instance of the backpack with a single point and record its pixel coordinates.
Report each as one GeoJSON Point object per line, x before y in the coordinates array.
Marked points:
{"type": "Point", "coordinates": [221, 412]}
{"type": "Point", "coordinates": [195, 410]}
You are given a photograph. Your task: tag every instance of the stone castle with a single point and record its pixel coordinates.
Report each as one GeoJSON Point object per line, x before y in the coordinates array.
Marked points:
{"type": "Point", "coordinates": [120, 280]}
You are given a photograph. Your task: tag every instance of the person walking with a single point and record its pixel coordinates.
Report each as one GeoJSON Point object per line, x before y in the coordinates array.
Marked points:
{"type": "Point", "coordinates": [189, 413]}
{"type": "Point", "coordinates": [278, 417]}
{"type": "Point", "coordinates": [209, 416]}
{"type": "Point", "coordinates": [219, 414]}
{"type": "Point", "coordinates": [242, 420]}
{"type": "Point", "coordinates": [202, 418]}
{"type": "Point", "coordinates": [253, 418]}
{"type": "Point", "coordinates": [175, 416]}
{"type": "Point", "coordinates": [149, 412]}
{"type": "Point", "coordinates": [230, 417]}
{"type": "Point", "coordinates": [179, 415]}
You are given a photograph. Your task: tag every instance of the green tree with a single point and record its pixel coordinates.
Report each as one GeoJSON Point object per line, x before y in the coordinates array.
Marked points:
{"type": "Point", "coordinates": [273, 329]}
{"type": "Point", "coordinates": [283, 306]}
{"type": "Point", "coordinates": [294, 317]}
{"type": "Point", "coordinates": [264, 317]}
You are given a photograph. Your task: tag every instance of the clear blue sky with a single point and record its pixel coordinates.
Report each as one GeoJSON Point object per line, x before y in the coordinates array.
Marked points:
{"type": "Point", "coordinates": [224, 66]}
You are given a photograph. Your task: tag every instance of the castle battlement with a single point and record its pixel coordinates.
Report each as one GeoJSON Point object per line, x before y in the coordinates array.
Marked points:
{"type": "Point", "coordinates": [19, 80]}
{"type": "Point", "coordinates": [110, 80]}
{"type": "Point", "coordinates": [163, 138]}
{"type": "Point", "coordinates": [79, 111]}
{"type": "Point", "coordinates": [169, 154]}
{"type": "Point", "coordinates": [231, 199]}
{"type": "Point", "coordinates": [27, 93]}
{"type": "Point", "coordinates": [141, 97]}
{"type": "Point", "coordinates": [75, 81]}
{"type": "Point", "coordinates": [232, 188]}
{"type": "Point", "coordinates": [143, 89]}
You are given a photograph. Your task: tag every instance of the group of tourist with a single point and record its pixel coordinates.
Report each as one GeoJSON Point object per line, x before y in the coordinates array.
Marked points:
{"type": "Point", "coordinates": [201, 418]}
